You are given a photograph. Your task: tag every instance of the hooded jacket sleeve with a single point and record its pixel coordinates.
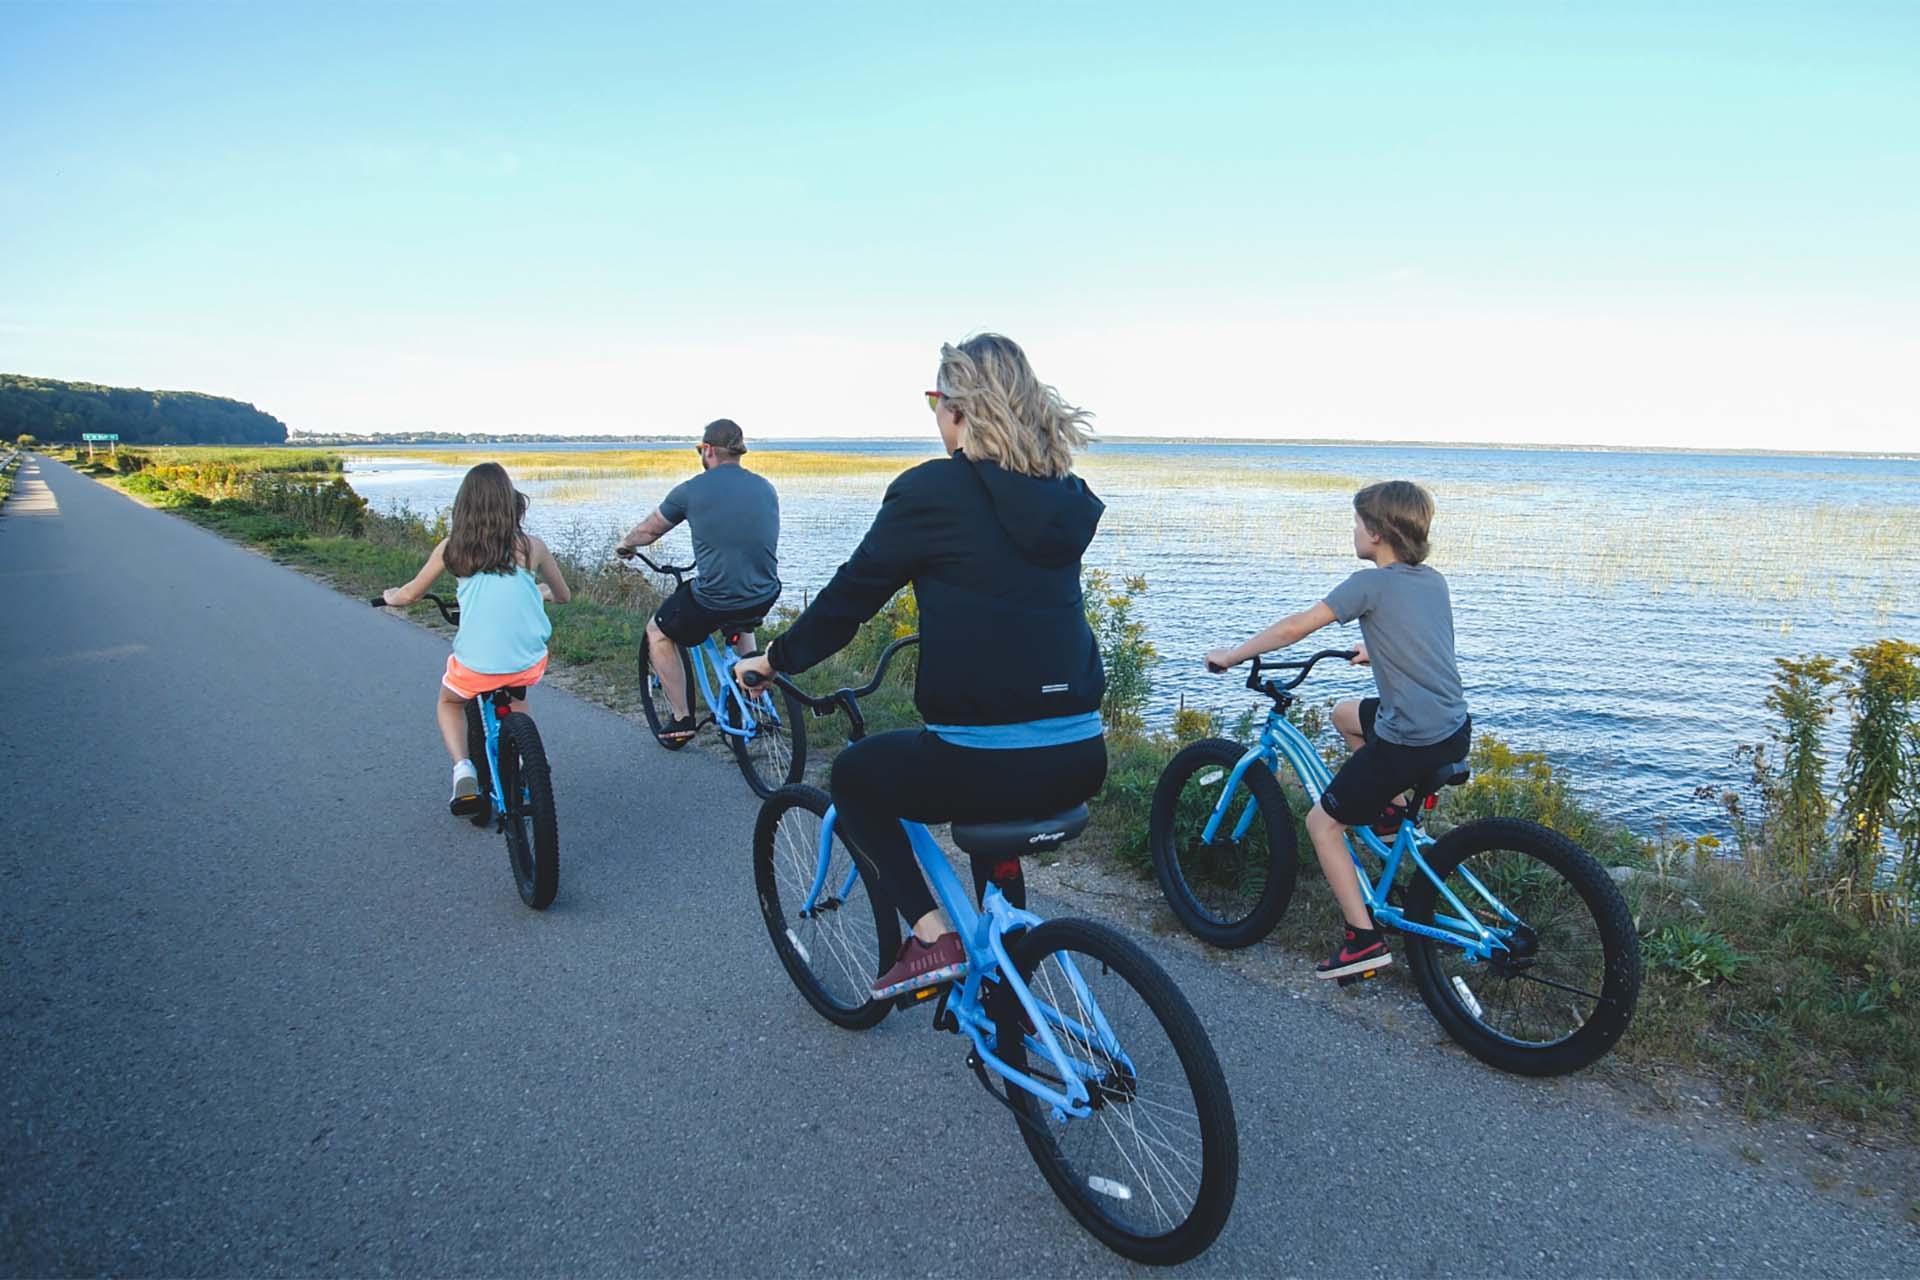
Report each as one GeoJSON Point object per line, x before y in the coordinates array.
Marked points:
{"type": "Point", "coordinates": [886, 560]}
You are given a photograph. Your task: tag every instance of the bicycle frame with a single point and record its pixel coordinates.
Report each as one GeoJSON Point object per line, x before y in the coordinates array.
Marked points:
{"type": "Point", "coordinates": [1279, 740]}
{"type": "Point", "coordinates": [984, 931]}
{"type": "Point", "coordinates": [713, 673]}
{"type": "Point", "coordinates": [490, 720]}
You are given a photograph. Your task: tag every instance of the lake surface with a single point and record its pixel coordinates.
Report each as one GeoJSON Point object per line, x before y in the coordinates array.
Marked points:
{"type": "Point", "coordinates": [1620, 611]}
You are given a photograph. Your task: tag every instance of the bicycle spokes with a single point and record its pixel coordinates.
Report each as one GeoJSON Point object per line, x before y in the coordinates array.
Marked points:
{"type": "Point", "coordinates": [1546, 972]}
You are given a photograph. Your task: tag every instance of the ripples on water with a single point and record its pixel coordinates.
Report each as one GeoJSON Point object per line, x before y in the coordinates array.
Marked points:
{"type": "Point", "coordinates": [1619, 611]}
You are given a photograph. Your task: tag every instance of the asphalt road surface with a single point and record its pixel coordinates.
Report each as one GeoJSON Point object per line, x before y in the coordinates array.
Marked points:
{"type": "Point", "coordinates": [266, 1009]}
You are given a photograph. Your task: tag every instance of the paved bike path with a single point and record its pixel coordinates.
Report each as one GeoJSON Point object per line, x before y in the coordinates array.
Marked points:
{"type": "Point", "coordinates": [266, 1009]}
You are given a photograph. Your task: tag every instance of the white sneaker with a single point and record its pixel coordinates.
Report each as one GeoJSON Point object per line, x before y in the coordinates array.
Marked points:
{"type": "Point", "coordinates": [465, 801]}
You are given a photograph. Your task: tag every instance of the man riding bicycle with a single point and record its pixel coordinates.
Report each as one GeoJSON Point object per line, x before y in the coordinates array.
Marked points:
{"type": "Point", "coordinates": [734, 517]}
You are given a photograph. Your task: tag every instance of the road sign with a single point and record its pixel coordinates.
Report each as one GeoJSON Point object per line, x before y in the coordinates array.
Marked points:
{"type": "Point", "coordinates": [98, 437]}
{"type": "Point", "coordinates": [93, 435]}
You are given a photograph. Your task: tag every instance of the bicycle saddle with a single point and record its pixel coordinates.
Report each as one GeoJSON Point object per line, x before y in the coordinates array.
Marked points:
{"type": "Point", "coordinates": [1452, 774]}
{"type": "Point", "coordinates": [1011, 839]}
{"type": "Point", "coordinates": [745, 622]}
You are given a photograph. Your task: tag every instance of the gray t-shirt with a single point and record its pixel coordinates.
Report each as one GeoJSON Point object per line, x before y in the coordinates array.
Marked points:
{"type": "Point", "coordinates": [1406, 618]}
{"type": "Point", "coordinates": [734, 516]}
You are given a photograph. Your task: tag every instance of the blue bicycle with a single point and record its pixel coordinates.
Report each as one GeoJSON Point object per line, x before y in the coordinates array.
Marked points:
{"type": "Point", "coordinates": [1073, 1028]}
{"type": "Point", "coordinates": [515, 783]}
{"type": "Point", "coordinates": [769, 740]}
{"type": "Point", "coordinates": [1519, 941]}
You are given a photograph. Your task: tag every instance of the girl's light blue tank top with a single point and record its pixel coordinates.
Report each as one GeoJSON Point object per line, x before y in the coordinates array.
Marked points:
{"type": "Point", "coordinates": [503, 622]}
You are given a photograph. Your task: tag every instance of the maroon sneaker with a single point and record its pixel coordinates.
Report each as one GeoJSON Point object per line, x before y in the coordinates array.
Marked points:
{"type": "Point", "coordinates": [922, 964]}
{"type": "Point", "coordinates": [1358, 954]}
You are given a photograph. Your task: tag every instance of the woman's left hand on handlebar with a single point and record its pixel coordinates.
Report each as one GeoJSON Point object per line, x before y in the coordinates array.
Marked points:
{"type": "Point", "coordinates": [758, 666]}
{"type": "Point", "coordinates": [1218, 660]}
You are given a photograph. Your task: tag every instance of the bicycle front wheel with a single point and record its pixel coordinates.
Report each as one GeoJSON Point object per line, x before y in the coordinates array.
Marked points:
{"type": "Point", "coordinates": [1562, 991]}
{"type": "Point", "coordinates": [1228, 891]}
{"type": "Point", "coordinates": [834, 950]}
{"type": "Point", "coordinates": [533, 837]}
{"type": "Point", "coordinates": [772, 753]}
{"type": "Point", "coordinates": [1153, 1171]}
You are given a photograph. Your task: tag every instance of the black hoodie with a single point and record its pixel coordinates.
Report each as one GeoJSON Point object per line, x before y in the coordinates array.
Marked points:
{"type": "Point", "coordinates": [994, 559]}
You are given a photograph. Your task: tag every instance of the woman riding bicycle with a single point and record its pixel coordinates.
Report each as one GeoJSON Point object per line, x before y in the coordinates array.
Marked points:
{"type": "Point", "coordinates": [1010, 679]}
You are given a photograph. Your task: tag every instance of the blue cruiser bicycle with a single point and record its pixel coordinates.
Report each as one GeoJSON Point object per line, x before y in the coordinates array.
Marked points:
{"type": "Point", "coordinates": [769, 740]}
{"type": "Point", "coordinates": [1071, 1027]}
{"type": "Point", "coordinates": [1519, 941]}
{"type": "Point", "coordinates": [516, 786]}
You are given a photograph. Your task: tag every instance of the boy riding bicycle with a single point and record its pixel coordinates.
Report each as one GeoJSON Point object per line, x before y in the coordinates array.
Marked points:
{"type": "Point", "coordinates": [1418, 723]}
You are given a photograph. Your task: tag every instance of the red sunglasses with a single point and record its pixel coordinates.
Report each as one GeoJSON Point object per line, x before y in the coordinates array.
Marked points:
{"type": "Point", "coordinates": [934, 398]}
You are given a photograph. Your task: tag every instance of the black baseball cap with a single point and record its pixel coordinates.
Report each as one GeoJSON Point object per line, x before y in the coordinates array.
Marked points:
{"type": "Point", "coordinates": [725, 433]}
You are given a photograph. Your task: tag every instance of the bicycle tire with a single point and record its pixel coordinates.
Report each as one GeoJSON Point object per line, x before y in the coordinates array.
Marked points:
{"type": "Point", "coordinates": [1194, 1220]}
{"type": "Point", "coordinates": [785, 858]}
{"type": "Point", "coordinates": [653, 699]}
{"type": "Point", "coordinates": [533, 836]}
{"type": "Point", "coordinates": [477, 752]}
{"type": "Point", "coordinates": [761, 759]}
{"type": "Point", "coordinates": [1605, 971]}
{"type": "Point", "coordinates": [1227, 893]}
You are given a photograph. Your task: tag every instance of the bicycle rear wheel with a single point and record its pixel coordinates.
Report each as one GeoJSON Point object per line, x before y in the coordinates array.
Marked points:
{"type": "Point", "coordinates": [833, 952]}
{"type": "Point", "coordinates": [1153, 1171]}
{"type": "Point", "coordinates": [477, 752]}
{"type": "Point", "coordinates": [1227, 892]}
{"type": "Point", "coordinates": [776, 755]}
{"type": "Point", "coordinates": [653, 699]}
{"type": "Point", "coordinates": [533, 837]}
{"type": "Point", "coordinates": [1564, 992]}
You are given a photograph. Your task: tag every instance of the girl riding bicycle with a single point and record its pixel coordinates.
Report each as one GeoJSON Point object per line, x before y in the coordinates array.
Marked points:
{"type": "Point", "coordinates": [503, 576]}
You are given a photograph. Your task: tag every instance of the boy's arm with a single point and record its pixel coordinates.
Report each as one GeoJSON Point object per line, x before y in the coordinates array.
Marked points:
{"type": "Point", "coordinates": [435, 566]}
{"type": "Point", "coordinates": [1291, 629]}
{"type": "Point", "coordinates": [546, 567]}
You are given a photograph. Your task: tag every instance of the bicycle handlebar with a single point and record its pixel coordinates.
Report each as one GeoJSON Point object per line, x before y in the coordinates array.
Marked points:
{"type": "Point", "coordinates": [451, 615]}
{"type": "Point", "coordinates": [1304, 666]}
{"type": "Point", "coordinates": [840, 699]}
{"type": "Point", "coordinates": [677, 572]}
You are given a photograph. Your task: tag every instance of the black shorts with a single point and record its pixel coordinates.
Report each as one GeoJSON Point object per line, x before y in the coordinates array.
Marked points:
{"type": "Point", "coordinates": [1381, 770]}
{"type": "Point", "coordinates": [684, 620]}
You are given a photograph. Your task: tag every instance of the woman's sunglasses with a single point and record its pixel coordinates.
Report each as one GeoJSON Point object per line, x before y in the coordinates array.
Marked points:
{"type": "Point", "coordinates": [934, 398]}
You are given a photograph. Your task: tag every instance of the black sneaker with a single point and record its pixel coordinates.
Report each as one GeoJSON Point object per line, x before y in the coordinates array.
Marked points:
{"type": "Point", "coordinates": [677, 733]}
{"type": "Point", "coordinates": [1360, 954]}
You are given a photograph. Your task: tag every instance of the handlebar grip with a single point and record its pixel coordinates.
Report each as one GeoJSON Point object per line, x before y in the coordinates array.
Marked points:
{"type": "Point", "coordinates": [379, 602]}
{"type": "Point", "coordinates": [752, 679]}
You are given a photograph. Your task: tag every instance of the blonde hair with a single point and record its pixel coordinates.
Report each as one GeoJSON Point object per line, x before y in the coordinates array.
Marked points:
{"type": "Point", "coordinates": [1007, 415]}
{"type": "Point", "coordinates": [1401, 513]}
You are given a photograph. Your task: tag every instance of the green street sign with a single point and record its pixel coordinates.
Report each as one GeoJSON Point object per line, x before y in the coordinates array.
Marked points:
{"type": "Point", "coordinates": [91, 435]}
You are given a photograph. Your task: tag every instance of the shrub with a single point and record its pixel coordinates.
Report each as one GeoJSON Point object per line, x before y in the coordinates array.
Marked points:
{"type": "Point", "coordinates": [1883, 760]}
{"type": "Point", "coordinates": [1701, 956]}
{"type": "Point", "coordinates": [144, 482]}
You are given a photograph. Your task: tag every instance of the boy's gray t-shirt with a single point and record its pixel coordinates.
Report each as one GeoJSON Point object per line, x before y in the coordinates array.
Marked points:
{"type": "Point", "coordinates": [734, 516]}
{"type": "Point", "coordinates": [1406, 618]}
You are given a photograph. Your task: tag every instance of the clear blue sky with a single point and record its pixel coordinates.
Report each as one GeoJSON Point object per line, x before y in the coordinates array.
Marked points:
{"type": "Point", "coordinates": [1689, 224]}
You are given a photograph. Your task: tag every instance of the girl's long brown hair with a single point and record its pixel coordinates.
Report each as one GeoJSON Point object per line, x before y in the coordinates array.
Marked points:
{"type": "Point", "coordinates": [486, 535]}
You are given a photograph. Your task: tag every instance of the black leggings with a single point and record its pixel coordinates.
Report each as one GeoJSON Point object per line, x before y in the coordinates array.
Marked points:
{"type": "Point", "coordinates": [921, 777]}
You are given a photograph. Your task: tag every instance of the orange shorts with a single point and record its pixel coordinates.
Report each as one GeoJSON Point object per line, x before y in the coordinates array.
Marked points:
{"type": "Point", "coordinates": [471, 684]}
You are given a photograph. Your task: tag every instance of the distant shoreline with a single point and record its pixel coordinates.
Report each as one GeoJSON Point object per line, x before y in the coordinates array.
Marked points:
{"type": "Point", "coordinates": [305, 441]}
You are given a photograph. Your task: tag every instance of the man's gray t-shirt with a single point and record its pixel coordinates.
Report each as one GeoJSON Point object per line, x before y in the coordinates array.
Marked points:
{"type": "Point", "coordinates": [1406, 618]}
{"type": "Point", "coordinates": [734, 516]}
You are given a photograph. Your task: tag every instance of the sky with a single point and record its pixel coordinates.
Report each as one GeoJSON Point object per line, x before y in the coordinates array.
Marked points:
{"type": "Point", "coordinates": [1668, 224]}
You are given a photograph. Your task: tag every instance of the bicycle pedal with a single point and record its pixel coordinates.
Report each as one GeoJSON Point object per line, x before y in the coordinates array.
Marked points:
{"type": "Point", "coordinates": [914, 999]}
{"type": "Point", "coordinates": [1352, 978]}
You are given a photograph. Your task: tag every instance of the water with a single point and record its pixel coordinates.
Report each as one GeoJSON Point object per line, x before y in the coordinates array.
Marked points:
{"type": "Point", "coordinates": [1620, 611]}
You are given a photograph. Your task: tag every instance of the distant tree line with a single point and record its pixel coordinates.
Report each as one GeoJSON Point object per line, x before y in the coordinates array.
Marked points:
{"type": "Point", "coordinates": [51, 410]}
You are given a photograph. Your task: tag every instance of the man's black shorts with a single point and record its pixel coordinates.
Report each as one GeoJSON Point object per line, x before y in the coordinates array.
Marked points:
{"type": "Point", "coordinates": [1381, 770]}
{"type": "Point", "coordinates": [684, 620]}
